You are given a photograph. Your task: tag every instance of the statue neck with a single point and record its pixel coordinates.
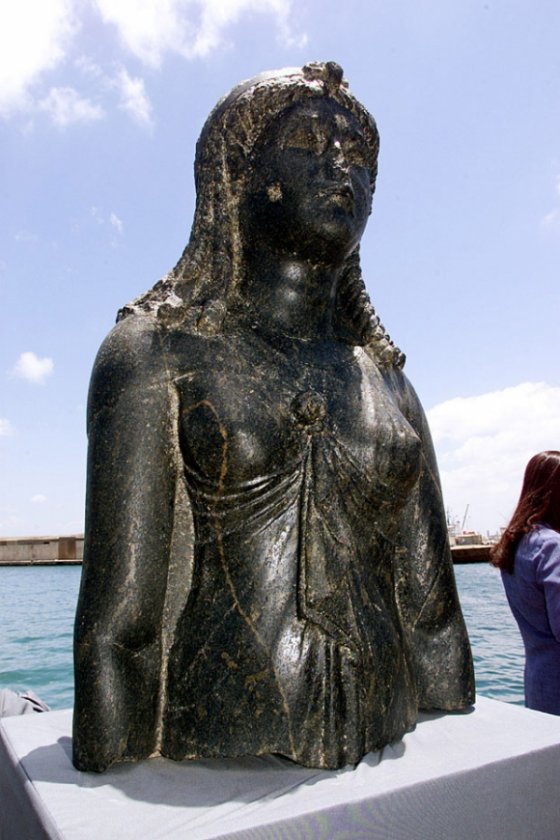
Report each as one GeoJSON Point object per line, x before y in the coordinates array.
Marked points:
{"type": "Point", "coordinates": [291, 296]}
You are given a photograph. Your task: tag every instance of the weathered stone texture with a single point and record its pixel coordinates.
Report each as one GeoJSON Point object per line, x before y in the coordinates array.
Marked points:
{"type": "Point", "coordinates": [266, 566]}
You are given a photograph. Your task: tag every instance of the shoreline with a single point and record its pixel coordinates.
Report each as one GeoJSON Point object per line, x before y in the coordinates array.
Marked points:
{"type": "Point", "coordinates": [45, 552]}
{"type": "Point", "coordinates": [41, 551]}
{"type": "Point", "coordinates": [54, 562]}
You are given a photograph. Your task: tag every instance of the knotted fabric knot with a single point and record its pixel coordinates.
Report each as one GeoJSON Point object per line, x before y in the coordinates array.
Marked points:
{"type": "Point", "coordinates": [310, 410]}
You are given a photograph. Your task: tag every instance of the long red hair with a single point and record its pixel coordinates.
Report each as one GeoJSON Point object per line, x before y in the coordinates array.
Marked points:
{"type": "Point", "coordinates": [539, 502]}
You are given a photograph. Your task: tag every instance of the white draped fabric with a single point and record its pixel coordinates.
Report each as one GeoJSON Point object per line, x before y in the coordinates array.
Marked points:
{"type": "Point", "coordinates": [485, 774]}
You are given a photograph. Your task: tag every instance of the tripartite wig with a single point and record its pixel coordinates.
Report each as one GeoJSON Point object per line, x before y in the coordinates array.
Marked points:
{"type": "Point", "coordinates": [204, 284]}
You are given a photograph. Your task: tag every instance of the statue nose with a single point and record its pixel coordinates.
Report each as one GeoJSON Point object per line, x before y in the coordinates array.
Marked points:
{"type": "Point", "coordinates": [337, 156]}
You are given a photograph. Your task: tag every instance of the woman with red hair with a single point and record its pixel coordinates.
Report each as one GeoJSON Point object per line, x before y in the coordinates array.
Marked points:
{"type": "Point", "coordinates": [528, 555]}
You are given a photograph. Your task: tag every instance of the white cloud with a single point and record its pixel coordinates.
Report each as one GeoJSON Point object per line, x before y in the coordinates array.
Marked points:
{"type": "Point", "coordinates": [483, 444]}
{"type": "Point", "coordinates": [37, 36]}
{"type": "Point", "coordinates": [33, 39]}
{"type": "Point", "coordinates": [552, 220]}
{"type": "Point", "coordinates": [116, 222]}
{"type": "Point", "coordinates": [11, 523]}
{"type": "Point", "coordinates": [32, 368]}
{"type": "Point", "coordinates": [217, 15]}
{"type": "Point", "coordinates": [66, 106]}
{"type": "Point", "coordinates": [192, 28]}
{"type": "Point", "coordinates": [133, 97]}
{"type": "Point", "coordinates": [113, 220]}
{"type": "Point", "coordinates": [38, 499]}
{"type": "Point", "coordinates": [25, 236]}
{"type": "Point", "coordinates": [89, 67]}
{"type": "Point", "coordinates": [6, 427]}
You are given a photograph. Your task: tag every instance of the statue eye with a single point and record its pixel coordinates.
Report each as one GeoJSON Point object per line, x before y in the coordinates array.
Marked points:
{"type": "Point", "coordinates": [303, 138]}
{"type": "Point", "coordinates": [355, 151]}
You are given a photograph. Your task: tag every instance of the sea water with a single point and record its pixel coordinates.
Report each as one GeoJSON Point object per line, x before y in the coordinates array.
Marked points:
{"type": "Point", "coordinates": [499, 657]}
{"type": "Point", "coordinates": [37, 606]}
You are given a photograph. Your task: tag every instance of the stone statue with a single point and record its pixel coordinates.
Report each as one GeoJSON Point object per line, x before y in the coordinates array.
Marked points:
{"type": "Point", "coordinates": [266, 564]}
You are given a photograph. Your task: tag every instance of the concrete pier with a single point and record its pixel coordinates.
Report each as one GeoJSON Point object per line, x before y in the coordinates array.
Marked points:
{"type": "Point", "coordinates": [470, 553]}
{"type": "Point", "coordinates": [41, 551]}
{"type": "Point", "coordinates": [48, 551]}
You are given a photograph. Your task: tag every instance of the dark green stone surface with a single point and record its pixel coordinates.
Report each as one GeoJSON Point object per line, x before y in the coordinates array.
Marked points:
{"type": "Point", "coordinates": [266, 563]}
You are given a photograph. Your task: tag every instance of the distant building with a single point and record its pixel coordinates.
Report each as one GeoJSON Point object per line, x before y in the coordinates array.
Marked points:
{"type": "Point", "coordinates": [30, 551]}
{"type": "Point", "coordinates": [469, 538]}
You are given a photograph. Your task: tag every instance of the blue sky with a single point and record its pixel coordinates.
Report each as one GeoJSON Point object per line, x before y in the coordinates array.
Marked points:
{"type": "Point", "coordinates": [101, 103]}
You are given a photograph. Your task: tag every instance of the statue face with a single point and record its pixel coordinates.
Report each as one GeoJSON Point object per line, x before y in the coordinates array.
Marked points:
{"type": "Point", "coordinates": [311, 191]}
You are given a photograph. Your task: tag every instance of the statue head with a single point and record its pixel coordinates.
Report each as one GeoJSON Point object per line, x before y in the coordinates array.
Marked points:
{"type": "Point", "coordinates": [205, 283]}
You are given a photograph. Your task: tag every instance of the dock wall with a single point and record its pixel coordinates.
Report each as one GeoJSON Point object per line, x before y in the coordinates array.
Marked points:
{"type": "Point", "coordinates": [470, 553]}
{"type": "Point", "coordinates": [41, 551]}
{"type": "Point", "coordinates": [37, 551]}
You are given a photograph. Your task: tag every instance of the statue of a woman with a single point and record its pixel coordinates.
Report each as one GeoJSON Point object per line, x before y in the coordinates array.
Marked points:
{"type": "Point", "coordinates": [266, 566]}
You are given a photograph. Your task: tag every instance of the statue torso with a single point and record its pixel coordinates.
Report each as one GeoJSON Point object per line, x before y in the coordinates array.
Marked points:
{"type": "Point", "coordinates": [297, 459]}
{"type": "Point", "coordinates": [249, 408]}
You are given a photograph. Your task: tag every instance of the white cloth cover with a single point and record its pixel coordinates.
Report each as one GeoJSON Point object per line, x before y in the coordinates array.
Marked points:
{"type": "Point", "coordinates": [489, 774]}
{"type": "Point", "coordinates": [25, 703]}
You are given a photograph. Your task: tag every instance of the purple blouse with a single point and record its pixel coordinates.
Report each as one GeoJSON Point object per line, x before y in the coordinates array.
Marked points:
{"type": "Point", "coordinates": [533, 593]}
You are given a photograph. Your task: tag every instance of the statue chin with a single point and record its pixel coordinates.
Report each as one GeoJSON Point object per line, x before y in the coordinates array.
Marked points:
{"type": "Point", "coordinates": [266, 566]}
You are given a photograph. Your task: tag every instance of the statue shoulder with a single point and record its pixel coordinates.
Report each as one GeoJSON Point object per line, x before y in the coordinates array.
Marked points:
{"type": "Point", "coordinates": [130, 360]}
{"type": "Point", "coordinates": [134, 344]}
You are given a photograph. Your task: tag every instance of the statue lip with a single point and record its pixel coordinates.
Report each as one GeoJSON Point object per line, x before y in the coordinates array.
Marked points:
{"type": "Point", "coordinates": [343, 192]}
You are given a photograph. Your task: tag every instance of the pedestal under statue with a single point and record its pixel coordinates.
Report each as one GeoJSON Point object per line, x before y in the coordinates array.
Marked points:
{"type": "Point", "coordinates": [266, 564]}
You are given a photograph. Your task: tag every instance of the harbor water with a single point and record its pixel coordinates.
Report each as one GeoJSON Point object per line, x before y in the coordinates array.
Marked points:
{"type": "Point", "coordinates": [37, 605]}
